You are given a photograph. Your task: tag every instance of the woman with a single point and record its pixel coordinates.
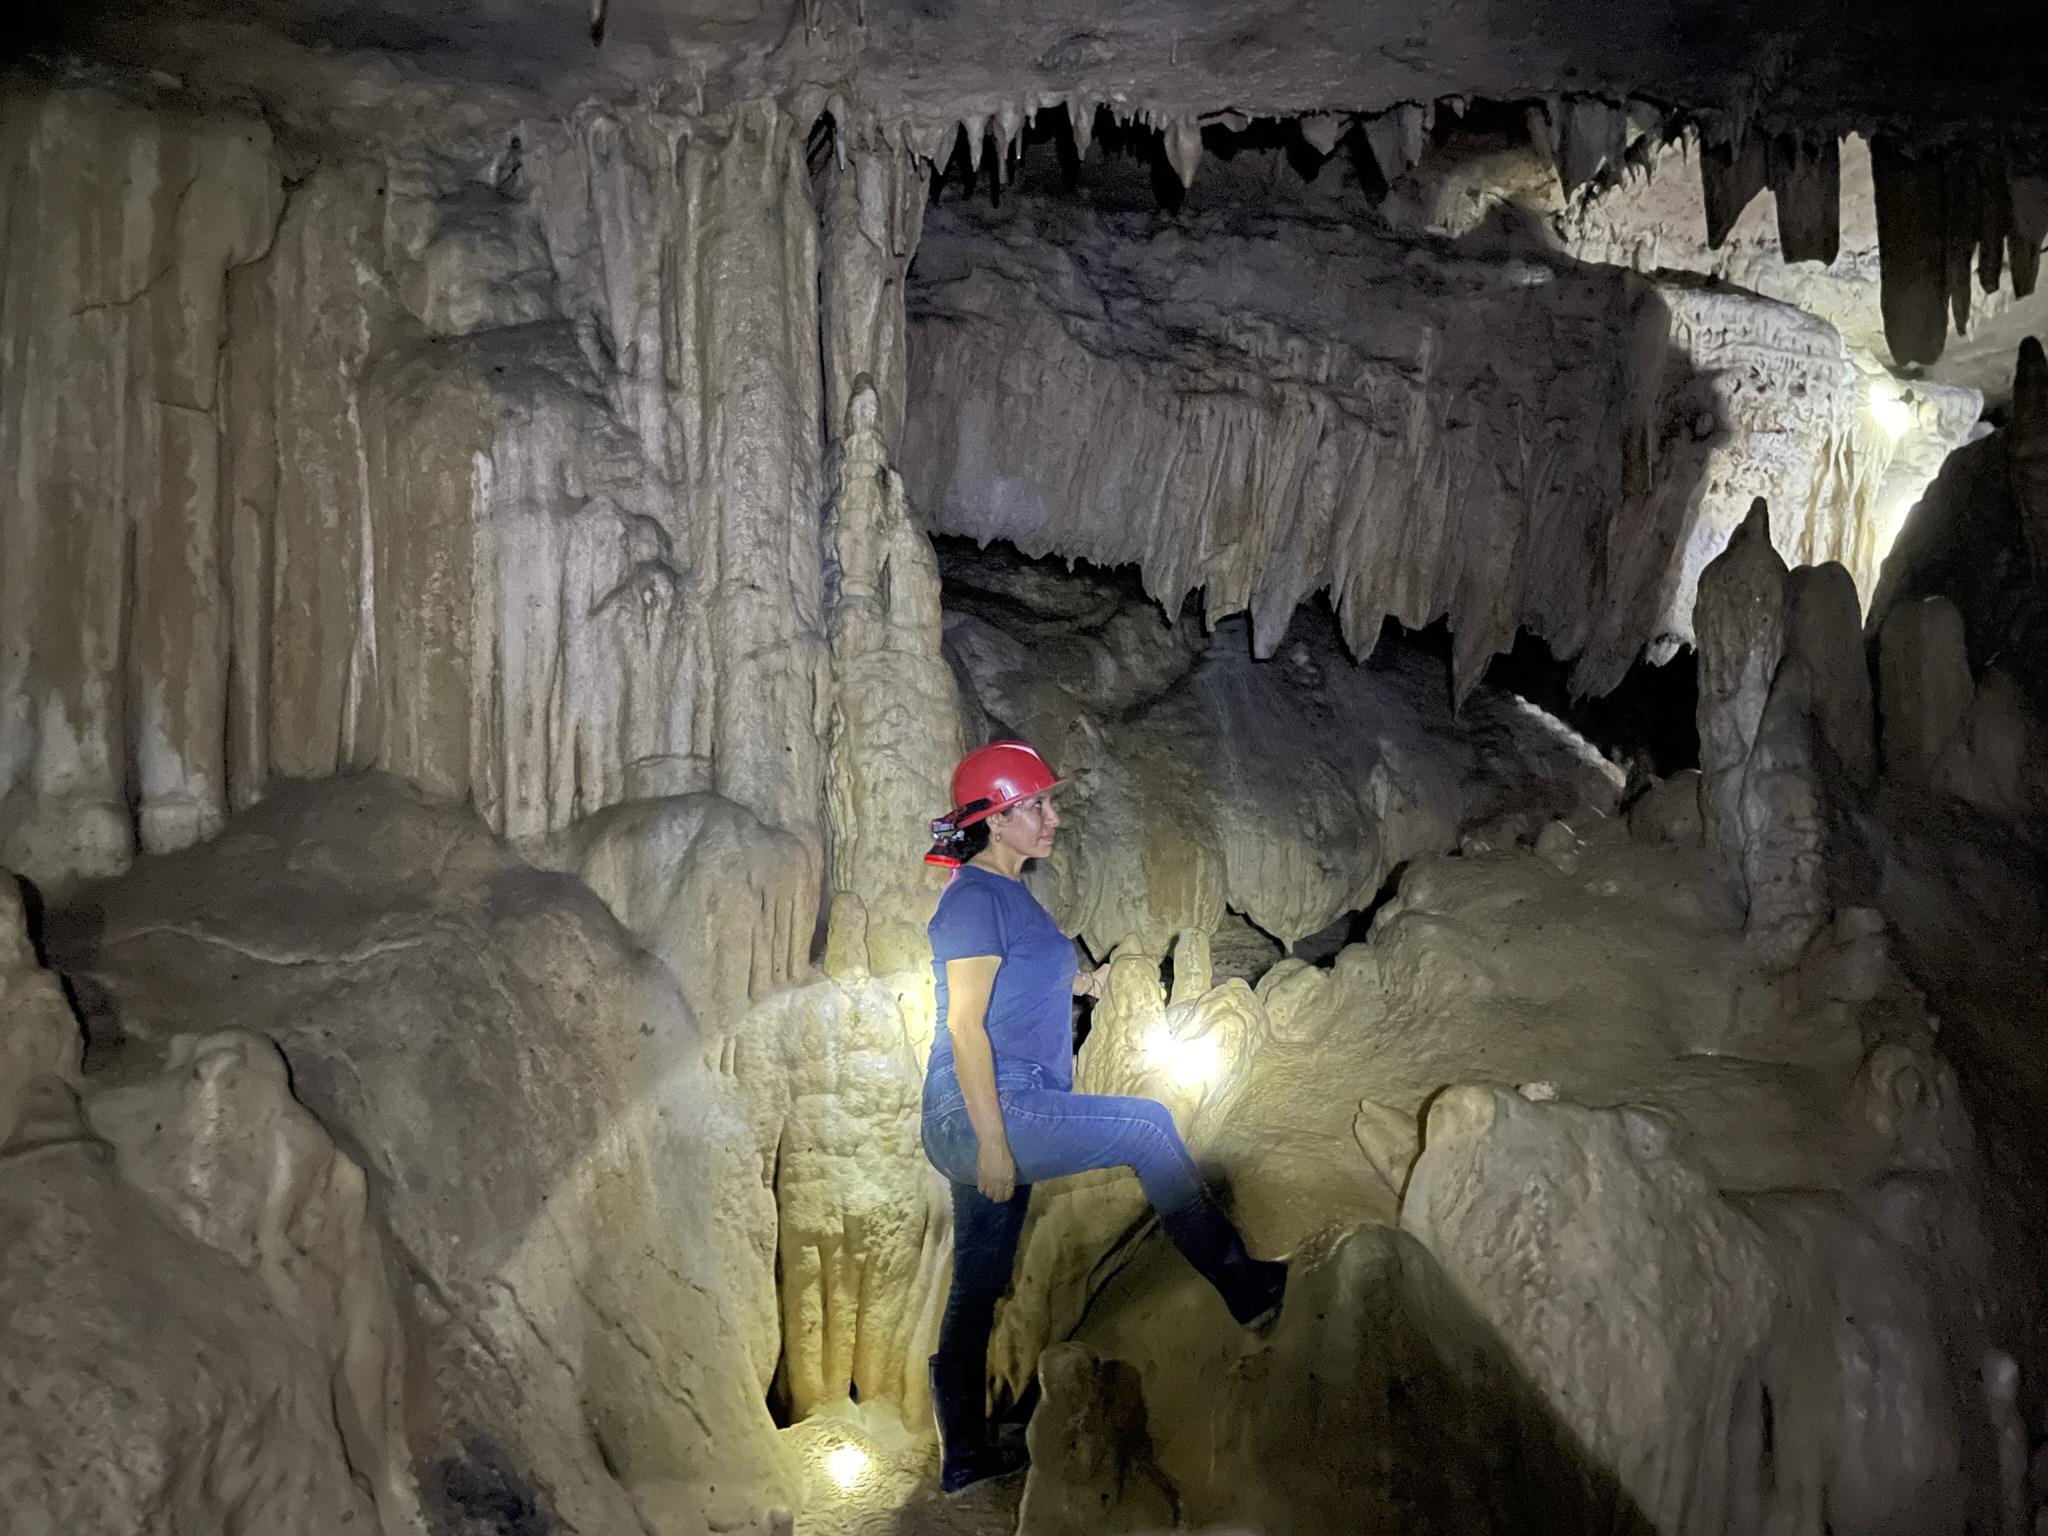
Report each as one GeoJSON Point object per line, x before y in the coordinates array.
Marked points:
{"type": "Point", "coordinates": [1000, 1112]}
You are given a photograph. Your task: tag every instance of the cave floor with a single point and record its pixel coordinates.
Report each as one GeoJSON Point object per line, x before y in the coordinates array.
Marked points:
{"type": "Point", "coordinates": [988, 1509]}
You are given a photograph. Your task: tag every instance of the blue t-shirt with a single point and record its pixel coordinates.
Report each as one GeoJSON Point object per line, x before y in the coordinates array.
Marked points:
{"type": "Point", "coordinates": [1031, 1010]}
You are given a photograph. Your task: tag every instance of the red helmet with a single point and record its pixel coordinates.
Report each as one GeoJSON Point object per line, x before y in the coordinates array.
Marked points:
{"type": "Point", "coordinates": [988, 779]}
{"type": "Point", "coordinates": [1001, 773]}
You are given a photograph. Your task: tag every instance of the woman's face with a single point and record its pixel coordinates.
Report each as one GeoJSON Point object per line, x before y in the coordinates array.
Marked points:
{"type": "Point", "coordinates": [1027, 826]}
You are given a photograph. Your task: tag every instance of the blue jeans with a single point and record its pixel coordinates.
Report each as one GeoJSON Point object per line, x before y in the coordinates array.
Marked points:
{"type": "Point", "coordinates": [1051, 1133]}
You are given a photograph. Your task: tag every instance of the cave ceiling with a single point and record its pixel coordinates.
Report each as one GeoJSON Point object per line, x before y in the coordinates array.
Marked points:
{"type": "Point", "coordinates": [1839, 63]}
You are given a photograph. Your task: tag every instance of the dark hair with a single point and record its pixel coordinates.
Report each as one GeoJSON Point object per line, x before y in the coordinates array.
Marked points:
{"type": "Point", "coordinates": [969, 841]}
{"type": "Point", "coordinates": [957, 846]}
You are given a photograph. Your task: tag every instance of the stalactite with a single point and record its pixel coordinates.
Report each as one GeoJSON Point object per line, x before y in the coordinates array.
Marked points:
{"type": "Point", "coordinates": [2026, 451]}
{"type": "Point", "coordinates": [1806, 180]}
{"type": "Point", "coordinates": [1732, 172]}
{"type": "Point", "coordinates": [1911, 197]}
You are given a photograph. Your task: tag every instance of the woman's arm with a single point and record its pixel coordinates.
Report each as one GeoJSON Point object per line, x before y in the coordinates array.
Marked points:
{"type": "Point", "coordinates": [968, 984]}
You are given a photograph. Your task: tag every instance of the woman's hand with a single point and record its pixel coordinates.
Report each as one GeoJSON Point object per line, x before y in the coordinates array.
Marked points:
{"type": "Point", "coordinates": [995, 1171]}
{"type": "Point", "coordinates": [1092, 983]}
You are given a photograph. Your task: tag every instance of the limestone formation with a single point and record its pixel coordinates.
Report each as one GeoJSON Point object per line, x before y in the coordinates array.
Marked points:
{"type": "Point", "coordinates": [474, 677]}
{"type": "Point", "coordinates": [1091, 1464]}
{"type": "Point", "coordinates": [121, 227]}
{"type": "Point", "coordinates": [440, 479]}
{"type": "Point", "coordinates": [2026, 451]}
{"type": "Point", "coordinates": [199, 1326]}
{"type": "Point", "coordinates": [1741, 618]}
{"type": "Point", "coordinates": [727, 904]}
{"type": "Point", "coordinates": [222, 1147]}
{"type": "Point", "coordinates": [1783, 819]}
{"type": "Point", "coordinates": [1179, 807]}
{"type": "Point", "coordinates": [1924, 685]}
{"type": "Point", "coordinates": [1824, 632]}
{"type": "Point", "coordinates": [526, 1097]}
{"type": "Point", "coordinates": [40, 1045]}
{"type": "Point", "coordinates": [895, 720]}
{"type": "Point", "coordinates": [1292, 486]}
{"type": "Point", "coordinates": [1048, 383]}
{"type": "Point", "coordinates": [830, 1077]}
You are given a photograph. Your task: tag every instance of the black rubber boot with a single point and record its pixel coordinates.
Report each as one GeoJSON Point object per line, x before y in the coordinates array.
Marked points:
{"type": "Point", "coordinates": [966, 1455]}
{"type": "Point", "coordinates": [1252, 1288]}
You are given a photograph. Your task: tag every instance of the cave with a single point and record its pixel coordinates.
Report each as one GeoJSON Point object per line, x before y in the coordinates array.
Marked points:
{"type": "Point", "coordinates": [1521, 531]}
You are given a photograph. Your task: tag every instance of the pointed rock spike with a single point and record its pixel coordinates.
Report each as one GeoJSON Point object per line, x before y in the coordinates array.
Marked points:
{"type": "Point", "coordinates": [1961, 222]}
{"type": "Point", "coordinates": [2029, 231]}
{"type": "Point", "coordinates": [2026, 450]}
{"type": "Point", "coordinates": [1415, 125]}
{"type": "Point", "coordinates": [1645, 120]}
{"type": "Point", "coordinates": [1994, 225]}
{"type": "Point", "coordinates": [1595, 135]}
{"type": "Point", "coordinates": [1912, 254]}
{"type": "Point", "coordinates": [1081, 118]}
{"type": "Point", "coordinates": [1184, 148]}
{"type": "Point", "coordinates": [1806, 181]}
{"type": "Point", "coordinates": [1731, 175]}
{"type": "Point", "coordinates": [1395, 137]}
{"type": "Point", "coordinates": [1322, 130]}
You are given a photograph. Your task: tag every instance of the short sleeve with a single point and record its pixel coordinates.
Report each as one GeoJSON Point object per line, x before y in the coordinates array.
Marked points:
{"type": "Point", "coordinates": [968, 922]}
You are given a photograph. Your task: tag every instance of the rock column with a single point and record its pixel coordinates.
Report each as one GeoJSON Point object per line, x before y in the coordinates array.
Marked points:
{"type": "Point", "coordinates": [895, 724]}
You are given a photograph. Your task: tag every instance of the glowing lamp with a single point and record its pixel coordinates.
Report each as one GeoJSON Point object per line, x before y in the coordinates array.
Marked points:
{"type": "Point", "coordinates": [1893, 414]}
{"type": "Point", "coordinates": [846, 1465]}
{"type": "Point", "coordinates": [1185, 1063]}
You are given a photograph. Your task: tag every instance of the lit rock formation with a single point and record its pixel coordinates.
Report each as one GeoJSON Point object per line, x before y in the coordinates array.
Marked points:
{"type": "Point", "coordinates": [1637, 1281]}
{"type": "Point", "coordinates": [1161, 397]}
{"type": "Point", "coordinates": [198, 1325]}
{"type": "Point", "coordinates": [1653, 217]}
{"type": "Point", "coordinates": [1180, 807]}
{"type": "Point", "coordinates": [830, 1076]}
{"type": "Point", "coordinates": [1178, 396]}
{"type": "Point", "coordinates": [524, 1091]}
{"type": "Point", "coordinates": [464, 544]}
{"type": "Point", "coordinates": [426, 472]}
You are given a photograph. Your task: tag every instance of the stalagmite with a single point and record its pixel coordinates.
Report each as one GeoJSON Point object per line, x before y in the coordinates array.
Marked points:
{"type": "Point", "coordinates": [1784, 836]}
{"type": "Point", "coordinates": [1924, 687]}
{"type": "Point", "coordinates": [1824, 631]}
{"type": "Point", "coordinates": [1740, 619]}
{"type": "Point", "coordinates": [40, 1043]}
{"type": "Point", "coordinates": [1085, 1480]}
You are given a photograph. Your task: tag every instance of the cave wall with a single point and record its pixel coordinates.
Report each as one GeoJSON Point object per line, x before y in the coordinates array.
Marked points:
{"type": "Point", "coordinates": [502, 477]}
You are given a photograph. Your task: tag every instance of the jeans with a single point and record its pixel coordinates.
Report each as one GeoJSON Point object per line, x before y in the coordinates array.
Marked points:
{"type": "Point", "coordinates": [1051, 1132]}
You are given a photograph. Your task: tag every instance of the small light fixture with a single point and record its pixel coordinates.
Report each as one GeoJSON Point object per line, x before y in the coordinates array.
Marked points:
{"type": "Point", "coordinates": [846, 1465]}
{"type": "Point", "coordinates": [1186, 1063]}
{"type": "Point", "coordinates": [1892, 412]}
